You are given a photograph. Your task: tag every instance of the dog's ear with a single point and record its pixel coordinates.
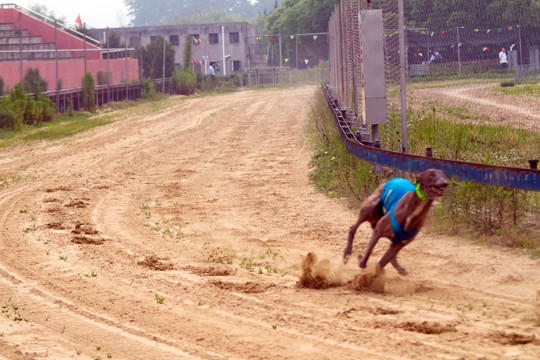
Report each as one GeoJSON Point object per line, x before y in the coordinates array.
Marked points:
{"type": "Point", "coordinates": [421, 178]}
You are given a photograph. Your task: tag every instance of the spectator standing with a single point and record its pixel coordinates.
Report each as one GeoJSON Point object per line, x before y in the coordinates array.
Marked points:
{"type": "Point", "coordinates": [503, 59]}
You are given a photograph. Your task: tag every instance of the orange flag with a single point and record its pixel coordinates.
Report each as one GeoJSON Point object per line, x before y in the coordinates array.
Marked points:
{"type": "Point", "coordinates": [78, 20]}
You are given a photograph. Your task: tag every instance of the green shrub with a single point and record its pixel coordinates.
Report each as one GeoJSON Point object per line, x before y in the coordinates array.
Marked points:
{"type": "Point", "coordinates": [21, 109]}
{"type": "Point", "coordinates": [18, 104]}
{"type": "Point", "coordinates": [88, 90]}
{"type": "Point", "coordinates": [32, 80]}
{"type": "Point", "coordinates": [30, 112]}
{"type": "Point", "coordinates": [46, 110]}
{"type": "Point", "coordinates": [102, 78]}
{"type": "Point", "coordinates": [1, 87]}
{"type": "Point", "coordinates": [185, 82]}
{"type": "Point", "coordinates": [148, 89]}
{"type": "Point", "coordinates": [7, 114]}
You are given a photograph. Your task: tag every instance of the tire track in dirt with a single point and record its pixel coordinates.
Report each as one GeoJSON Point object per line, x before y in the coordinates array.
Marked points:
{"type": "Point", "coordinates": [49, 299]}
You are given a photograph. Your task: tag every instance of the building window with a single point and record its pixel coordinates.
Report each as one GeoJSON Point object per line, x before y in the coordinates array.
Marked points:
{"type": "Point", "coordinates": [134, 41]}
{"type": "Point", "coordinates": [153, 39]}
{"type": "Point", "coordinates": [236, 65]}
{"type": "Point", "coordinates": [234, 37]}
{"type": "Point", "coordinates": [213, 38]}
{"type": "Point", "coordinates": [196, 39]}
{"type": "Point", "coordinates": [173, 39]}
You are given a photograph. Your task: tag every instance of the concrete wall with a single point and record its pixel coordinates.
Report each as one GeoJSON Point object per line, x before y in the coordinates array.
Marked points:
{"type": "Point", "coordinates": [201, 51]}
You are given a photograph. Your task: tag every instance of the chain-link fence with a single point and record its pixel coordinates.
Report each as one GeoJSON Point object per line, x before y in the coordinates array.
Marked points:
{"type": "Point", "coordinates": [456, 69]}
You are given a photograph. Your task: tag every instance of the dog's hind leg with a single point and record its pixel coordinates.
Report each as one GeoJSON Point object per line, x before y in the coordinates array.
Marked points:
{"type": "Point", "coordinates": [369, 211]}
{"type": "Point", "coordinates": [400, 269]}
{"type": "Point", "coordinates": [391, 256]}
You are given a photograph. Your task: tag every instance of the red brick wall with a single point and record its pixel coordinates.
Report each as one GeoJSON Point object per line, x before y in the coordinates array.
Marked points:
{"type": "Point", "coordinates": [70, 72]}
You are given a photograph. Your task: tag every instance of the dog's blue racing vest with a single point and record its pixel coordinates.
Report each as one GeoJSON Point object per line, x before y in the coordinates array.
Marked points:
{"type": "Point", "coordinates": [393, 191]}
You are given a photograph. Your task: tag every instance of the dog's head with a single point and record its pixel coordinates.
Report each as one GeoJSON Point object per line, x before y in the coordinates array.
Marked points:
{"type": "Point", "coordinates": [433, 182]}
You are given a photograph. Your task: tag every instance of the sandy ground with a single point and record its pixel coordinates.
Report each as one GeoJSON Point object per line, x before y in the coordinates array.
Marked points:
{"type": "Point", "coordinates": [177, 232]}
{"type": "Point", "coordinates": [484, 105]}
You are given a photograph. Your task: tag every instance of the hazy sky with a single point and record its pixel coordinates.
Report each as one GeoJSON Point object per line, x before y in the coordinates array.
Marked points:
{"type": "Point", "coordinates": [95, 13]}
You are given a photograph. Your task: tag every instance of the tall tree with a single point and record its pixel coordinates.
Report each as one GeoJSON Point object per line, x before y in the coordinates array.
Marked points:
{"type": "Point", "coordinates": [440, 14]}
{"type": "Point", "coordinates": [152, 59]}
{"type": "Point", "coordinates": [188, 53]}
{"type": "Point", "coordinates": [210, 17]}
{"type": "Point", "coordinates": [302, 17]}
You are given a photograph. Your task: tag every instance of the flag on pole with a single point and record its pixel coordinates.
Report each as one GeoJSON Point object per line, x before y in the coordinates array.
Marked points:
{"type": "Point", "coordinates": [78, 20]}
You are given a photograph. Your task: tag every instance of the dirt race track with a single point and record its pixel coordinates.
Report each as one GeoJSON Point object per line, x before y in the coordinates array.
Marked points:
{"type": "Point", "coordinates": [177, 232]}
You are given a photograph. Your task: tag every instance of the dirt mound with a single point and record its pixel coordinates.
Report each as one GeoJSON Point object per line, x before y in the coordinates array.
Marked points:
{"type": "Point", "coordinates": [247, 287]}
{"type": "Point", "coordinates": [371, 280]}
{"type": "Point", "coordinates": [426, 327]}
{"type": "Point", "coordinates": [154, 263]}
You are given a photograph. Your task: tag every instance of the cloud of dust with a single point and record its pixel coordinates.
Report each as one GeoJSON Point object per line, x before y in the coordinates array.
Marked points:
{"type": "Point", "coordinates": [320, 274]}
{"type": "Point", "coordinates": [372, 280]}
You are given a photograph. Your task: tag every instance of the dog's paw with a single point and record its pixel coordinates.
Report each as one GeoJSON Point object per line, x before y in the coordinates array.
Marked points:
{"type": "Point", "coordinates": [346, 258]}
{"type": "Point", "coordinates": [361, 262]}
{"type": "Point", "coordinates": [403, 272]}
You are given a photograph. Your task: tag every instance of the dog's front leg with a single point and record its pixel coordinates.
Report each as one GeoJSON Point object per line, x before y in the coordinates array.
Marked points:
{"type": "Point", "coordinates": [362, 260]}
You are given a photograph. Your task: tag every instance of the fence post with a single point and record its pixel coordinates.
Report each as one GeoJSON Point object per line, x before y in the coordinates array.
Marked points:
{"type": "Point", "coordinates": [163, 79]}
{"type": "Point", "coordinates": [126, 55]}
{"type": "Point", "coordinates": [108, 69]}
{"type": "Point", "coordinates": [20, 47]}
{"type": "Point", "coordinates": [56, 59]}
{"type": "Point", "coordinates": [403, 80]}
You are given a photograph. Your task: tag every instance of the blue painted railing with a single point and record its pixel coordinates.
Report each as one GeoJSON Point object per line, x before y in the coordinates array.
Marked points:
{"type": "Point", "coordinates": [517, 178]}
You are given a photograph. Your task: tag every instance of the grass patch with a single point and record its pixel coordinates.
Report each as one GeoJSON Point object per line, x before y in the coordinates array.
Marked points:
{"type": "Point", "coordinates": [500, 145]}
{"type": "Point", "coordinates": [431, 83]}
{"type": "Point", "coordinates": [6, 181]}
{"type": "Point", "coordinates": [63, 126]}
{"type": "Point", "coordinates": [465, 78]}
{"type": "Point", "coordinates": [519, 89]}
